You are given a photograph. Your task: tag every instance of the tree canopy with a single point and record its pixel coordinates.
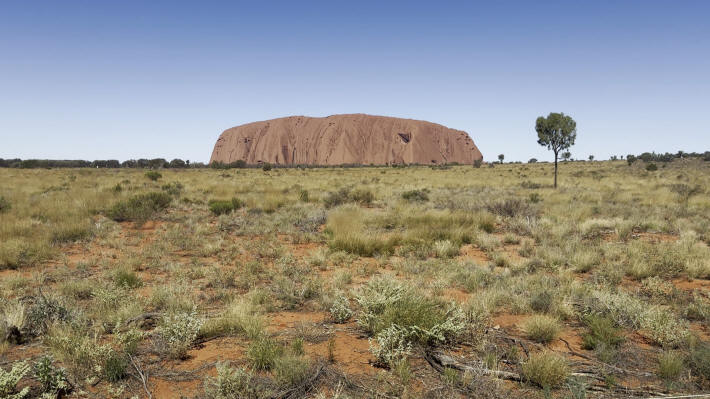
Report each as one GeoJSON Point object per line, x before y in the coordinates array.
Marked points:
{"type": "Point", "coordinates": [556, 132]}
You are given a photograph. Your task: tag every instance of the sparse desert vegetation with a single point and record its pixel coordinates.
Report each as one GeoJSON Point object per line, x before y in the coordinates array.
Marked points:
{"type": "Point", "coordinates": [356, 282]}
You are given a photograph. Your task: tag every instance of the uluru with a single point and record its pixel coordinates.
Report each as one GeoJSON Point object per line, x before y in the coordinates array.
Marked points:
{"type": "Point", "coordinates": [344, 139]}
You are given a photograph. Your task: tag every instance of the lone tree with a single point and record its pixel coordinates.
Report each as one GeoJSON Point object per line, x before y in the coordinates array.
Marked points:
{"type": "Point", "coordinates": [556, 132]}
{"type": "Point", "coordinates": [501, 157]}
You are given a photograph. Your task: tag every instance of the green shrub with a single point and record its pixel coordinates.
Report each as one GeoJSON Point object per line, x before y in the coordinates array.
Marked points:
{"type": "Point", "coordinates": [115, 366]}
{"type": "Point", "coordinates": [44, 312]}
{"type": "Point", "coordinates": [542, 328]}
{"type": "Point", "coordinates": [9, 380]}
{"type": "Point", "coordinates": [221, 207]}
{"type": "Point", "coordinates": [651, 167]}
{"type": "Point", "coordinates": [416, 195]}
{"type": "Point", "coordinates": [139, 208]}
{"type": "Point", "coordinates": [263, 352]}
{"type": "Point", "coordinates": [487, 225]}
{"type": "Point", "coordinates": [5, 204]}
{"type": "Point", "coordinates": [340, 311]}
{"type": "Point", "coordinates": [602, 332]}
{"type": "Point", "coordinates": [126, 278]}
{"type": "Point", "coordinates": [52, 379]}
{"type": "Point", "coordinates": [153, 175]}
{"type": "Point", "coordinates": [267, 167]}
{"type": "Point", "coordinates": [670, 365]}
{"type": "Point", "coordinates": [545, 369]}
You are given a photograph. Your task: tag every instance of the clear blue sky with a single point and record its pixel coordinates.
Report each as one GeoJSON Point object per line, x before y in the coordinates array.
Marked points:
{"type": "Point", "coordinates": [125, 79]}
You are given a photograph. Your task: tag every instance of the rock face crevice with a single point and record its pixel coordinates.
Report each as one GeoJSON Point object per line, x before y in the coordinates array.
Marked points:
{"type": "Point", "coordinates": [344, 139]}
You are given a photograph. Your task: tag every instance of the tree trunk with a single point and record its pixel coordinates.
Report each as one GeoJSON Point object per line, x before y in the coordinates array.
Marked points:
{"type": "Point", "coordinates": [555, 169]}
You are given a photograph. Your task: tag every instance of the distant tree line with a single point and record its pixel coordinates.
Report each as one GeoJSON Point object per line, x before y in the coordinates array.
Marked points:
{"type": "Point", "coordinates": [667, 157]}
{"type": "Point", "coordinates": [161, 163]}
{"type": "Point", "coordinates": [155, 163]}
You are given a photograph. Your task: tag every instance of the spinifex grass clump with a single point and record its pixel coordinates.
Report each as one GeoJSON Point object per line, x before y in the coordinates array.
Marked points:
{"type": "Point", "coordinates": [221, 207]}
{"type": "Point", "coordinates": [140, 208]}
{"type": "Point", "coordinates": [542, 328]}
{"type": "Point", "coordinates": [362, 196]}
{"type": "Point", "coordinates": [546, 369]}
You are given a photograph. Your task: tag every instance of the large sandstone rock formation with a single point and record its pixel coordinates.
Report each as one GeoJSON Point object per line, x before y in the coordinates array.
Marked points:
{"type": "Point", "coordinates": [344, 139]}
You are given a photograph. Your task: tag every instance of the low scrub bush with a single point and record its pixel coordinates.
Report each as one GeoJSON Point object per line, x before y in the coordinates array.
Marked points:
{"type": "Point", "coordinates": [222, 207]}
{"type": "Point", "coordinates": [658, 323]}
{"type": "Point", "coordinates": [542, 328]}
{"type": "Point", "coordinates": [43, 312]}
{"type": "Point", "coordinates": [153, 175]}
{"type": "Point", "coordinates": [176, 333]}
{"type": "Point", "coordinates": [84, 356]}
{"type": "Point", "coordinates": [340, 311]}
{"type": "Point", "coordinates": [664, 328]}
{"type": "Point", "coordinates": [510, 208]}
{"type": "Point", "coordinates": [385, 303]}
{"type": "Point", "coordinates": [9, 380]}
{"type": "Point", "coordinates": [393, 346]}
{"type": "Point", "coordinates": [233, 383]}
{"type": "Point", "coordinates": [416, 195]}
{"type": "Point", "coordinates": [5, 204]}
{"type": "Point", "coordinates": [345, 195]}
{"type": "Point", "coordinates": [139, 208]}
